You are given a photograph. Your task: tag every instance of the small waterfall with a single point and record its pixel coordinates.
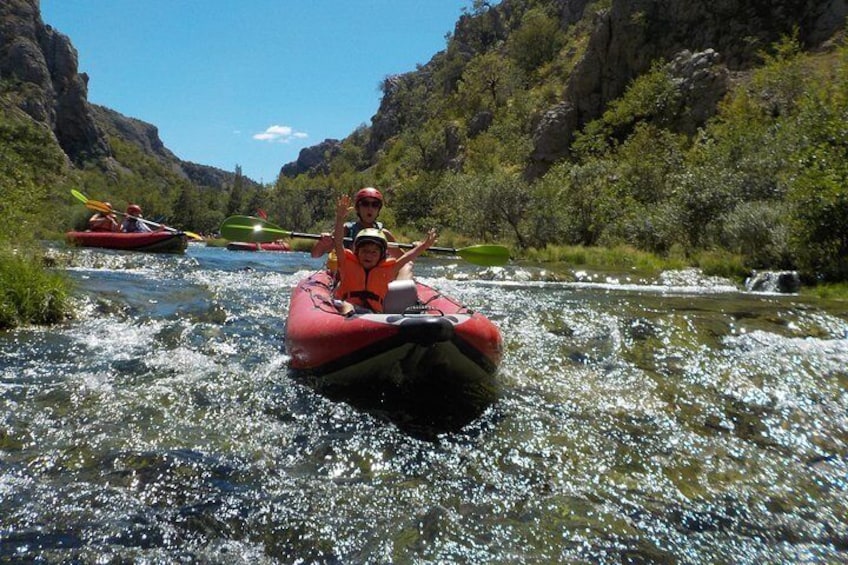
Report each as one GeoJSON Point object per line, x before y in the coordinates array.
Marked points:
{"type": "Point", "coordinates": [786, 282]}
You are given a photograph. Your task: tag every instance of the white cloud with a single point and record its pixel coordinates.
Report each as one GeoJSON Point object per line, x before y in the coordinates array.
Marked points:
{"type": "Point", "coordinates": [279, 134]}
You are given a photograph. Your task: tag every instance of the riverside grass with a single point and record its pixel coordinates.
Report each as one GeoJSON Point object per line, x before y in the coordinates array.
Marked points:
{"type": "Point", "coordinates": [828, 291]}
{"type": "Point", "coordinates": [29, 292]}
{"type": "Point", "coordinates": [712, 263]}
{"type": "Point", "coordinates": [606, 257]}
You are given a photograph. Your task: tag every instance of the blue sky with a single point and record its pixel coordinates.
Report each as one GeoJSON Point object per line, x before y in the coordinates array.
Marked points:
{"type": "Point", "coordinates": [249, 82]}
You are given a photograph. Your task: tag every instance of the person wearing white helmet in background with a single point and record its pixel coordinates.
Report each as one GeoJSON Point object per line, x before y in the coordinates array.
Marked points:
{"type": "Point", "coordinates": [367, 202]}
{"type": "Point", "coordinates": [132, 223]}
{"type": "Point", "coordinates": [366, 271]}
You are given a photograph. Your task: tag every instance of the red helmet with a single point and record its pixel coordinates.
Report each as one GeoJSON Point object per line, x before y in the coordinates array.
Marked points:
{"type": "Point", "coordinates": [368, 192]}
{"type": "Point", "coordinates": [134, 210]}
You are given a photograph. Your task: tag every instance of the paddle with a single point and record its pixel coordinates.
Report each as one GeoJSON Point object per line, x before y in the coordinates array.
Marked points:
{"type": "Point", "coordinates": [257, 230]}
{"type": "Point", "coordinates": [104, 208]}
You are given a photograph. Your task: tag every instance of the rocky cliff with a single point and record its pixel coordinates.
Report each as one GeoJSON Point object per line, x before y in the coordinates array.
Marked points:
{"type": "Point", "coordinates": [629, 36]}
{"type": "Point", "coordinates": [145, 136]}
{"type": "Point", "coordinates": [39, 72]}
{"type": "Point", "coordinates": [40, 65]}
{"type": "Point", "coordinates": [313, 160]}
{"type": "Point", "coordinates": [704, 42]}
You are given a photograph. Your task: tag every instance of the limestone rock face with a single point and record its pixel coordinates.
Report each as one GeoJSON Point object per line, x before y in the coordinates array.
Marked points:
{"type": "Point", "coordinates": [702, 82]}
{"type": "Point", "coordinates": [480, 122]}
{"type": "Point", "coordinates": [313, 160]}
{"type": "Point", "coordinates": [39, 68]}
{"type": "Point", "coordinates": [629, 36]}
{"type": "Point", "coordinates": [552, 137]}
{"type": "Point", "coordinates": [43, 65]}
{"type": "Point", "coordinates": [137, 132]}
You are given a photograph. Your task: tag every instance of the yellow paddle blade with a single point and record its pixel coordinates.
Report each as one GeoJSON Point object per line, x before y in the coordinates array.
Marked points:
{"type": "Point", "coordinates": [79, 196]}
{"type": "Point", "coordinates": [99, 207]}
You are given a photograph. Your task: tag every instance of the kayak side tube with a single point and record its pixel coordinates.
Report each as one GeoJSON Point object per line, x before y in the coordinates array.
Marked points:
{"type": "Point", "coordinates": [435, 345]}
{"type": "Point", "coordinates": [154, 242]}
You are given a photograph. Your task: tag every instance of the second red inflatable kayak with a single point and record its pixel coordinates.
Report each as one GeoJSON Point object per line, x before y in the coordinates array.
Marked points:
{"type": "Point", "coordinates": [247, 246]}
{"type": "Point", "coordinates": [162, 241]}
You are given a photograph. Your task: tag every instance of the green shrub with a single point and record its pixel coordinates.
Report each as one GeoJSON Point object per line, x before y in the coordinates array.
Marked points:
{"type": "Point", "coordinates": [536, 41]}
{"type": "Point", "coordinates": [759, 231]}
{"type": "Point", "coordinates": [818, 182]}
{"type": "Point", "coordinates": [29, 293]}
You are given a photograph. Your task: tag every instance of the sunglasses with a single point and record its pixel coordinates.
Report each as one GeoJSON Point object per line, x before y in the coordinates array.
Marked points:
{"type": "Point", "coordinates": [370, 203]}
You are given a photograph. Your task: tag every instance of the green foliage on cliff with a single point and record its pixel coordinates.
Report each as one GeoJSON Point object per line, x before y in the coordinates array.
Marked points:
{"type": "Point", "coordinates": [30, 166]}
{"type": "Point", "coordinates": [766, 178]}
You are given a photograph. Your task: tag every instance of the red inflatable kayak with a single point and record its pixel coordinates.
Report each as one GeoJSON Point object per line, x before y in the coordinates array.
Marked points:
{"type": "Point", "coordinates": [158, 241]}
{"type": "Point", "coordinates": [247, 246]}
{"type": "Point", "coordinates": [428, 362]}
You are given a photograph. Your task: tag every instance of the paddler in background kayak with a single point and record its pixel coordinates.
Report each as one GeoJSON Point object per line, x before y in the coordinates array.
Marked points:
{"type": "Point", "coordinates": [101, 221]}
{"type": "Point", "coordinates": [366, 271]}
{"type": "Point", "coordinates": [132, 223]}
{"type": "Point", "coordinates": [367, 202]}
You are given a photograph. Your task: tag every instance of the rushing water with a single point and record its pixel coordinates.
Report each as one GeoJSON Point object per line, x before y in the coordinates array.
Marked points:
{"type": "Point", "coordinates": [676, 420]}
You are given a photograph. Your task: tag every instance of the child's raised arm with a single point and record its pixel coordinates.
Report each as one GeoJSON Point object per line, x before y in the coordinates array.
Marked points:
{"type": "Point", "coordinates": [420, 248]}
{"type": "Point", "coordinates": [342, 209]}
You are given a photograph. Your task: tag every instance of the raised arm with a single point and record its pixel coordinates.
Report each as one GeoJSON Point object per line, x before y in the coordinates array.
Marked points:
{"type": "Point", "coordinates": [420, 248]}
{"type": "Point", "coordinates": [342, 209]}
{"type": "Point", "coordinates": [323, 245]}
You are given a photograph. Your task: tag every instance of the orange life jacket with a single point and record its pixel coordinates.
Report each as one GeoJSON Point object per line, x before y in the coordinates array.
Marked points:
{"type": "Point", "coordinates": [367, 289]}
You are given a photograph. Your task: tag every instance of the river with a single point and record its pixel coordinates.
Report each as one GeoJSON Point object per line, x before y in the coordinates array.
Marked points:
{"type": "Point", "coordinates": [673, 419]}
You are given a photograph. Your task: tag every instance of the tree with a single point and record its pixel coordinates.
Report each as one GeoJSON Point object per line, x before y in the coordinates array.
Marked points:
{"type": "Point", "coordinates": [188, 207]}
{"type": "Point", "coordinates": [819, 190]}
{"type": "Point", "coordinates": [488, 82]}
{"type": "Point", "coordinates": [487, 206]}
{"type": "Point", "coordinates": [536, 41]}
{"type": "Point", "coordinates": [236, 201]}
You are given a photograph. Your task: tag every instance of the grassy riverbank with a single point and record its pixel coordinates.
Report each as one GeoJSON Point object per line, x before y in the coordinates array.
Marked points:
{"type": "Point", "coordinates": [627, 258]}
{"type": "Point", "coordinates": [712, 263]}
{"type": "Point", "coordinates": [830, 291]}
{"type": "Point", "coordinates": [29, 292]}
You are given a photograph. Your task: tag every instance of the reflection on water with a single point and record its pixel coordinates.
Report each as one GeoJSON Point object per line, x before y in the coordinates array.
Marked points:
{"type": "Point", "coordinates": [669, 420]}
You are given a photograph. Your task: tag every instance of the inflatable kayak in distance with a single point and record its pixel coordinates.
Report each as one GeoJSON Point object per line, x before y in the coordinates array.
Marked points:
{"type": "Point", "coordinates": [162, 241]}
{"type": "Point", "coordinates": [247, 246]}
{"type": "Point", "coordinates": [428, 363]}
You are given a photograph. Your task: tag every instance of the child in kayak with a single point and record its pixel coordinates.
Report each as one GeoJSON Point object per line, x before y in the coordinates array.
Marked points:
{"type": "Point", "coordinates": [367, 202]}
{"type": "Point", "coordinates": [366, 271]}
